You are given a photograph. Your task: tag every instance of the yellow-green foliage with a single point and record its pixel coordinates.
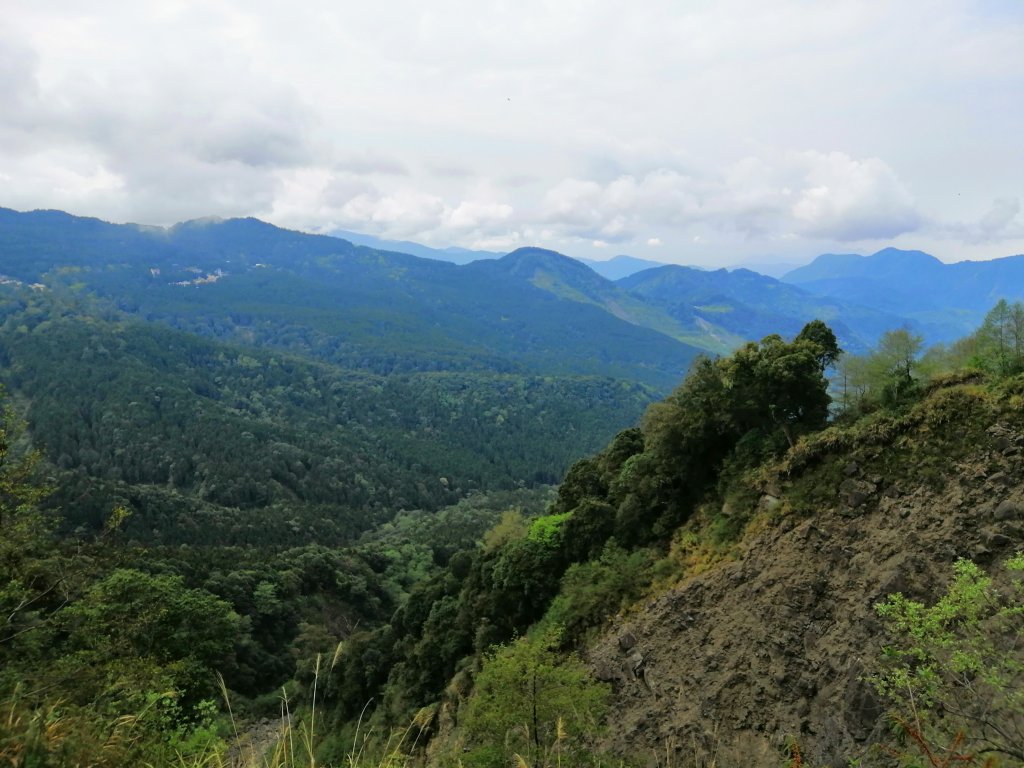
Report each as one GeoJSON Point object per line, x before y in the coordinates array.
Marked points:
{"type": "Point", "coordinates": [547, 529]}
{"type": "Point", "coordinates": [531, 701]}
{"type": "Point", "coordinates": [953, 674]}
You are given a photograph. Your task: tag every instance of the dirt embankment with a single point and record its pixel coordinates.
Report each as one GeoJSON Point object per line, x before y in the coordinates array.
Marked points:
{"type": "Point", "coordinates": [773, 646]}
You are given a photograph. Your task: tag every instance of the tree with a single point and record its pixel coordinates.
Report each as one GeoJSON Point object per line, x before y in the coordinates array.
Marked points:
{"type": "Point", "coordinates": [774, 385]}
{"type": "Point", "coordinates": [537, 702]}
{"type": "Point", "coordinates": [1000, 340]}
{"type": "Point", "coordinates": [854, 382]}
{"type": "Point", "coordinates": [819, 334]}
{"type": "Point", "coordinates": [893, 364]}
{"type": "Point", "coordinates": [157, 619]}
{"type": "Point", "coordinates": [754, 403]}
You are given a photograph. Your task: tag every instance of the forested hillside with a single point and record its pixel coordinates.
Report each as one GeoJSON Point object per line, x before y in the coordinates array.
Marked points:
{"type": "Point", "coordinates": [743, 305]}
{"type": "Point", "coordinates": [210, 443]}
{"type": "Point", "coordinates": [251, 283]}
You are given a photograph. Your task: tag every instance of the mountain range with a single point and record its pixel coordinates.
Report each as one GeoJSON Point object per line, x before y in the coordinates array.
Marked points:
{"type": "Point", "coordinates": [532, 310]}
{"type": "Point", "coordinates": [944, 301]}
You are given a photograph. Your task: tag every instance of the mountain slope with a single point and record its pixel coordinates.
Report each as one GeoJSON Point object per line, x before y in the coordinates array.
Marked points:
{"type": "Point", "coordinates": [569, 279]}
{"type": "Point", "coordinates": [738, 305]}
{"type": "Point", "coordinates": [248, 281]}
{"type": "Point", "coordinates": [774, 643]}
{"type": "Point", "coordinates": [270, 448]}
{"type": "Point", "coordinates": [945, 300]}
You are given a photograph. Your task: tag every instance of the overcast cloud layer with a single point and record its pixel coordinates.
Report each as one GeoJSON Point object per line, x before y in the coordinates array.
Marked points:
{"type": "Point", "coordinates": [731, 130]}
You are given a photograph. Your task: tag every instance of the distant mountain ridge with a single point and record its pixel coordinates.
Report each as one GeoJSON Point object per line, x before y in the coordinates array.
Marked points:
{"type": "Point", "coordinates": [738, 305]}
{"type": "Point", "coordinates": [621, 266]}
{"type": "Point", "coordinates": [452, 253]}
{"type": "Point", "coordinates": [532, 311]}
{"type": "Point", "coordinates": [572, 280]}
{"type": "Point", "coordinates": [353, 306]}
{"type": "Point", "coordinates": [612, 269]}
{"type": "Point", "coordinates": [945, 300]}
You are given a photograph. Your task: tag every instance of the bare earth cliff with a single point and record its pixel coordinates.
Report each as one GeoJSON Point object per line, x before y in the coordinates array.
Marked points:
{"type": "Point", "coordinates": [772, 646]}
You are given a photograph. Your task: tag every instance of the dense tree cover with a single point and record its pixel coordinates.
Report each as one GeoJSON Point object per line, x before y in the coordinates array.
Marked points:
{"type": "Point", "coordinates": [417, 543]}
{"type": "Point", "coordinates": [153, 436]}
{"type": "Point", "coordinates": [111, 654]}
{"type": "Point", "coordinates": [588, 556]}
{"type": "Point", "coordinates": [211, 443]}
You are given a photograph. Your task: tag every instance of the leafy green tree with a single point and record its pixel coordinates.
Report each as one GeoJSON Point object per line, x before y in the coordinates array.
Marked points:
{"type": "Point", "coordinates": [532, 701]}
{"type": "Point", "coordinates": [1000, 340]}
{"type": "Point", "coordinates": [954, 674]}
{"type": "Point", "coordinates": [775, 385]}
{"type": "Point", "coordinates": [893, 365]}
{"type": "Point", "coordinates": [764, 396]}
{"type": "Point", "coordinates": [821, 336]}
{"type": "Point", "coordinates": [595, 589]}
{"type": "Point", "coordinates": [853, 382]}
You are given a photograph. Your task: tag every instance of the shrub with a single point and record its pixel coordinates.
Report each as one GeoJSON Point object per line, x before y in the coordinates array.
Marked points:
{"type": "Point", "coordinates": [954, 674]}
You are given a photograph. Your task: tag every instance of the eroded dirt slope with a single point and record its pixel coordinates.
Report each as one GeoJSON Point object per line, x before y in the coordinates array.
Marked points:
{"type": "Point", "coordinates": [773, 645]}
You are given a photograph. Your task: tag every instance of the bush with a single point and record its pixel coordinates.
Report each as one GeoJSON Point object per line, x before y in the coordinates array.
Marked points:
{"type": "Point", "coordinates": [954, 674]}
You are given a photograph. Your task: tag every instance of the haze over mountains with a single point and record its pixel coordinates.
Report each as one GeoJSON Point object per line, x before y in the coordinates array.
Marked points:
{"type": "Point", "coordinates": [532, 309]}
{"type": "Point", "coordinates": [942, 301]}
{"type": "Point", "coordinates": [452, 253]}
{"type": "Point", "coordinates": [612, 269]}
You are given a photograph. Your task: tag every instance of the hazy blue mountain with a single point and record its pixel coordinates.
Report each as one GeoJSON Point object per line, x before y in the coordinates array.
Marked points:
{"type": "Point", "coordinates": [532, 312]}
{"type": "Point", "coordinates": [620, 266]}
{"type": "Point", "coordinates": [715, 310]}
{"type": "Point", "coordinates": [767, 268]}
{"type": "Point", "coordinates": [454, 254]}
{"type": "Point", "coordinates": [887, 263]}
{"type": "Point", "coordinates": [945, 300]}
{"type": "Point", "coordinates": [738, 305]}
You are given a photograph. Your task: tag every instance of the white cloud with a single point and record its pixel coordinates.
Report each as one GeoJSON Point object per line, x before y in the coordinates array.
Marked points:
{"type": "Point", "coordinates": [788, 126]}
{"type": "Point", "coordinates": [370, 163]}
{"type": "Point", "coordinates": [473, 215]}
{"type": "Point", "coordinates": [846, 199]}
{"type": "Point", "coordinates": [1001, 222]}
{"type": "Point", "coordinates": [828, 196]}
{"type": "Point", "coordinates": [403, 213]}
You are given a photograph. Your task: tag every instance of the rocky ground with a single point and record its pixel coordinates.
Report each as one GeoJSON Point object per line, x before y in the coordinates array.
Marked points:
{"type": "Point", "coordinates": [734, 663]}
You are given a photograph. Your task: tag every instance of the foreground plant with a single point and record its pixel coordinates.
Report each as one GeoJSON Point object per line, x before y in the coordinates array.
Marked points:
{"type": "Point", "coordinates": [954, 675]}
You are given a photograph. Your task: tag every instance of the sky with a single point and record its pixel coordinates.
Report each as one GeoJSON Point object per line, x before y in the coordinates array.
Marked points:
{"type": "Point", "coordinates": [707, 133]}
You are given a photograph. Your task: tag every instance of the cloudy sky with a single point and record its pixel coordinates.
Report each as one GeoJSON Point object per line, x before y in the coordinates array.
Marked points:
{"type": "Point", "coordinates": [691, 132]}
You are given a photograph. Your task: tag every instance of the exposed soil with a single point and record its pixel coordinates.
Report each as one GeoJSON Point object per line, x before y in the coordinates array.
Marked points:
{"type": "Point", "coordinates": [773, 646]}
